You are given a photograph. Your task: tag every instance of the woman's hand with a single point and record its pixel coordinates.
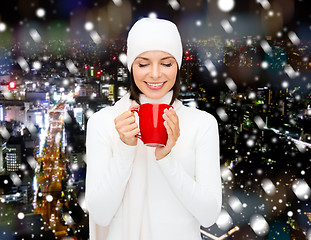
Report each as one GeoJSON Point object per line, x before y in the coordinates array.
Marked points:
{"type": "Point", "coordinates": [171, 124]}
{"type": "Point", "coordinates": [127, 127]}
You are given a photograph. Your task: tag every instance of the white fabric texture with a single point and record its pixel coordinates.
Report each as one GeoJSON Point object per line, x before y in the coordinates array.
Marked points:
{"type": "Point", "coordinates": [130, 195]}
{"type": "Point", "coordinates": [153, 34]}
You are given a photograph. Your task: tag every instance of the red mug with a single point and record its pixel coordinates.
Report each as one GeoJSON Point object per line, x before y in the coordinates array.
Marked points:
{"type": "Point", "coordinates": [151, 123]}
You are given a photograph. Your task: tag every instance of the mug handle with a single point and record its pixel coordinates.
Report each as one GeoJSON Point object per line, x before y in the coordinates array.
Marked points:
{"type": "Point", "coordinates": [136, 109]}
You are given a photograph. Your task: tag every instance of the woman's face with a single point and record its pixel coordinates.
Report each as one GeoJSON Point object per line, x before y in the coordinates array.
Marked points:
{"type": "Point", "coordinates": [155, 73]}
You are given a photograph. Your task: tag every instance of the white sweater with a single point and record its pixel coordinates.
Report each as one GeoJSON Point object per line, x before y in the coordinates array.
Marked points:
{"type": "Point", "coordinates": [130, 195]}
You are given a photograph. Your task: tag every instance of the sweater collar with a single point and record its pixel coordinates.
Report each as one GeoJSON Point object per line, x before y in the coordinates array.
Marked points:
{"type": "Point", "coordinates": [165, 99]}
{"type": "Point", "coordinates": [125, 102]}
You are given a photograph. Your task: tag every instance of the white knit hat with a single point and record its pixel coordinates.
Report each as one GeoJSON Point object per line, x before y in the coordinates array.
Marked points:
{"type": "Point", "coordinates": [153, 34]}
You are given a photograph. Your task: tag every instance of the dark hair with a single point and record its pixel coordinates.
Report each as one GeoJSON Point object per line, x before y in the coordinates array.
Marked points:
{"type": "Point", "coordinates": [135, 92]}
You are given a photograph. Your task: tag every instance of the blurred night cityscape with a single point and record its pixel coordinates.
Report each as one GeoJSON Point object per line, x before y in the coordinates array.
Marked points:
{"type": "Point", "coordinates": [54, 76]}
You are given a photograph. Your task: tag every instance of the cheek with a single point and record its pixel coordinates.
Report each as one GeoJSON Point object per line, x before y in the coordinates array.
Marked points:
{"type": "Point", "coordinates": [138, 75]}
{"type": "Point", "coordinates": [172, 75]}
{"type": "Point", "coordinates": [139, 81]}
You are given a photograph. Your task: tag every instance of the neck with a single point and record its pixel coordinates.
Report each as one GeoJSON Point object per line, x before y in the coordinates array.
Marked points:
{"type": "Point", "coordinates": [165, 99]}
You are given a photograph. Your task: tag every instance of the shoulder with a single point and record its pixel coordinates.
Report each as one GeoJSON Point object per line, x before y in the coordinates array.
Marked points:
{"type": "Point", "coordinates": [100, 124]}
{"type": "Point", "coordinates": [108, 114]}
{"type": "Point", "coordinates": [101, 116]}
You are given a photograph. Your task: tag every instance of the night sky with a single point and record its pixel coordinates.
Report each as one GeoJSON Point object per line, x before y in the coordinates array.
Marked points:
{"type": "Point", "coordinates": [197, 18]}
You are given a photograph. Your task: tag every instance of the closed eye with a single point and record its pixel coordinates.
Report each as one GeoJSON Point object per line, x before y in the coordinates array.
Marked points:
{"type": "Point", "coordinates": [142, 65]}
{"type": "Point", "coordinates": [167, 64]}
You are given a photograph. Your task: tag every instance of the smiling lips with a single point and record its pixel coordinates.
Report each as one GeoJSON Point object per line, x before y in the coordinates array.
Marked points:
{"type": "Point", "coordinates": [155, 86]}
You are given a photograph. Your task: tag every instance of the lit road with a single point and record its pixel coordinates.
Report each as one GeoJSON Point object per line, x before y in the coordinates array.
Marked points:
{"type": "Point", "coordinates": [50, 174]}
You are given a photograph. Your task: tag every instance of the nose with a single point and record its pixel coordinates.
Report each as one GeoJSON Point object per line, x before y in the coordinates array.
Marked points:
{"type": "Point", "coordinates": [155, 71]}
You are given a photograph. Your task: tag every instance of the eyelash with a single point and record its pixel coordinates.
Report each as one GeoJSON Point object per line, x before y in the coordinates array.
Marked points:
{"type": "Point", "coordinates": [165, 65]}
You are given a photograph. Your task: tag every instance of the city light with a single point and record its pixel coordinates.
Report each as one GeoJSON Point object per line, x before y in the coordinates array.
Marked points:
{"type": "Point", "coordinates": [12, 85]}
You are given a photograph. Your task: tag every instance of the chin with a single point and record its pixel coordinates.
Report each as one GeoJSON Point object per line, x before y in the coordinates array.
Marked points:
{"type": "Point", "coordinates": [155, 95]}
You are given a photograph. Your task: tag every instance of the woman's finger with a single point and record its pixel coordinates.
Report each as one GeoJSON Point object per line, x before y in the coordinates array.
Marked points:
{"type": "Point", "coordinates": [172, 115]}
{"type": "Point", "coordinates": [168, 129]}
{"type": "Point", "coordinates": [122, 116]}
{"type": "Point", "coordinates": [171, 140]}
{"type": "Point", "coordinates": [172, 120]}
{"type": "Point", "coordinates": [128, 128]}
{"type": "Point", "coordinates": [126, 119]}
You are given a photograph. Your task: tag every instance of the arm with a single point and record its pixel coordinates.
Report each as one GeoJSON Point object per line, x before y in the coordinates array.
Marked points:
{"type": "Point", "coordinates": [109, 167]}
{"type": "Point", "coordinates": [201, 195]}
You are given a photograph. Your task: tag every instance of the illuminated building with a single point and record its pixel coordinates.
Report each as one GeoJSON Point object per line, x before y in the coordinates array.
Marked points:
{"type": "Point", "coordinates": [13, 157]}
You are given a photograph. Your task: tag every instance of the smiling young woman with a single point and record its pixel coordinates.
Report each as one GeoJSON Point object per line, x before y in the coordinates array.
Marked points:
{"type": "Point", "coordinates": [136, 192]}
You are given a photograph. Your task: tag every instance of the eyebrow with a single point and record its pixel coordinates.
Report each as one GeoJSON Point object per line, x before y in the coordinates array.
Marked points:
{"type": "Point", "coordinates": [144, 58]}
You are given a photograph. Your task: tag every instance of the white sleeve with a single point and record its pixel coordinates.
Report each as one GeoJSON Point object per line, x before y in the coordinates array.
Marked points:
{"type": "Point", "coordinates": [201, 195]}
{"type": "Point", "coordinates": [109, 167]}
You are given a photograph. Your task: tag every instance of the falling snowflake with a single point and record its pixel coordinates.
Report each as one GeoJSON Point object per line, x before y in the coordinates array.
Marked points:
{"type": "Point", "coordinates": [259, 225]}
{"type": "Point", "coordinates": [123, 59]}
{"type": "Point", "coordinates": [71, 66]}
{"type": "Point", "coordinates": [290, 71]}
{"type": "Point", "coordinates": [2, 27]}
{"type": "Point", "coordinates": [222, 114]}
{"type": "Point", "coordinates": [285, 84]}
{"type": "Point", "coordinates": [250, 143]}
{"type": "Point", "coordinates": [265, 46]}
{"type": "Point", "coordinates": [35, 35]}
{"type": "Point", "coordinates": [32, 162]}
{"type": "Point", "coordinates": [20, 215]}
{"type": "Point", "coordinates": [268, 186]}
{"type": "Point", "coordinates": [301, 189]}
{"type": "Point", "coordinates": [259, 122]}
{"type": "Point", "coordinates": [153, 15]}
{"type": "Point", "coordinates": [225, 5]}
{"type": "Point", "coordinates": [36, 65]}
{"type": "Point", "coordinates": [4, 133]}
{"type": "Point", "coordinates": [264, 3]}
{"type": "Point", "coordinates": [89, 26]}
{"type": "Point", "coordinates": [118, 3]}
{"type": "Point", "coordinates": [40, 12]}
{"type": "Point", "coordinates": [235, 204]}
{"type": "Point", "coordinates": [264, 65]}
{"type": "Point", "coordinates": [15, 179]}
{"type": "Point", "coordinates": [226, 173]}
{"type": "Point", "coordinates": [23, 64]}
{"type": "Point", "coordinates": [231, 84]}
{"type": "Point", "coordinates": [95, 37]}
{"type": "Point", "coordinates": [210, 67]}
{"type": "Point", "coordinates": [294, 38]}
{"type": "Point", "coordinates": [89, 113]}
{"type": "Point", "coordinates": [226, 26]}
{"type": "Point", "coordinates": [224, 221]}
{"type": "Point", "coordinates": [174, 4]}
{"type": "Point", "coordinates": [49, 198]}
